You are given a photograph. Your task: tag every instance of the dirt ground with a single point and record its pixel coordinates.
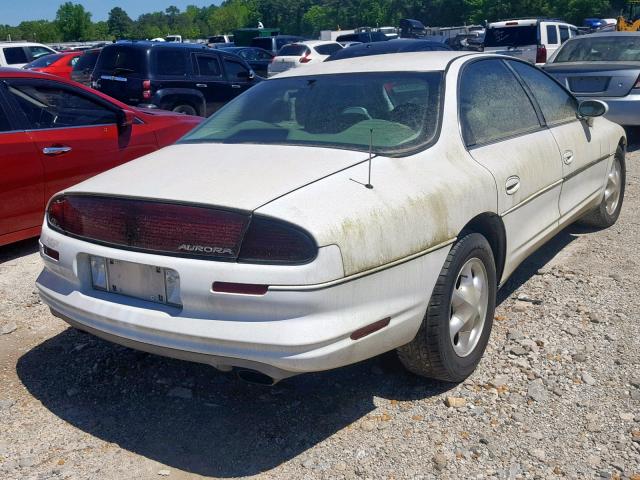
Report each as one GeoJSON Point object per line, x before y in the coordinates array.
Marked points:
{"type": "Point", "coordinates": [556, 395]}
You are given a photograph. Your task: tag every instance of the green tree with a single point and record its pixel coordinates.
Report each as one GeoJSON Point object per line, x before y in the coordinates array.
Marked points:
{"type": "Point", "coordinates": [119, 24]}
{"type": "Point", "coordinates": [73, 22]}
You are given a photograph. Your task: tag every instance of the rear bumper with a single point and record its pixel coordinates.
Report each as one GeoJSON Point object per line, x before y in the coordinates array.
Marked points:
{"type": "Point", "coordinates": [622, 110]}
{"type": "Point", "coordinates": [290, 330]}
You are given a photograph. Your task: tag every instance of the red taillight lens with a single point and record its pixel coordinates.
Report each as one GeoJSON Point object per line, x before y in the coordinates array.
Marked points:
{"type": "Point", "coordinates": [162, 228]}
{"type": "Point", "coordinates": [180, 230]}
{"type": "Point", "coordinates": [146, 89]}
{"type": "Point", "coordinates": [541, 54]}
{"type": "Point", "coordinates": [272, 241]}
{"type": "Point", "coordinates": [305, 59]}
{"type": "Point", "coordinates": [637, 84]}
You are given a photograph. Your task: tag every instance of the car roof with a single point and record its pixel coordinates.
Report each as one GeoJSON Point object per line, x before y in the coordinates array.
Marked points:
{"type": "Point", "coordinates": [149, 44]}
{"type": "Point", "coordinates": [394, 62]}
{"type": "Point", "coordinates": [392, 46]}
{"type": "Point", "coordinates": [315, 43]}
{"type": "Point", "coordinates": [22, 44]}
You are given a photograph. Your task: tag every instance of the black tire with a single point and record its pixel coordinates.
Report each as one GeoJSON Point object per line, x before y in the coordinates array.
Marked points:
{"type": "Point", "coordinates": [599, 217]}
{"type": "Point", "coordinates": [431, 353]}
{"type": "Point", "coordinates": [185, 108]}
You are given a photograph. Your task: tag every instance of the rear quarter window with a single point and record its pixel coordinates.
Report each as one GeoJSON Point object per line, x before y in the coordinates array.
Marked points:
{"type": "Point", "coordinates": [15, 55]}
{"type": "Point", "coordinates": [292, 51]}
{"type": "Point", "coordinates": [328, 49]}
{"type": "Point", "coordinates": [171, 63]}
{"type": "Point", "coordinates": [86, 61]}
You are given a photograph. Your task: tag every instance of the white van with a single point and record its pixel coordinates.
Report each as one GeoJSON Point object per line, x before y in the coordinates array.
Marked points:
{"type": "Point", "coordinates": [534, 40]}
{"type": "Point", "coordinates": [18, 54]}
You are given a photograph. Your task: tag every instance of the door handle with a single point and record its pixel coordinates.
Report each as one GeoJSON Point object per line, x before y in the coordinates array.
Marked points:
{"type": "Point", "coordinates": [512, 185]}
{"type": "Point", "coordinates": [567, 157]}
{"type": "Point", "coordinates": [56, 150]}
{"type": "Point", "coordinates": [201, 85]}
{"type": "Point", "coordinates": [235, 85]}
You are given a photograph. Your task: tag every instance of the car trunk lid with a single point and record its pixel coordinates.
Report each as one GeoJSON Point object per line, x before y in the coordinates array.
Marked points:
{"type": "Point", "coordinates": [612, 79]}
{"type": "Point", "coordinates": [240, 177]}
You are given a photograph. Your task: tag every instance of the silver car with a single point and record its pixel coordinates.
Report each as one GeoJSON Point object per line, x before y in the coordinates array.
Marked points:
{"type": "Point", "coordinates": [603, 66]}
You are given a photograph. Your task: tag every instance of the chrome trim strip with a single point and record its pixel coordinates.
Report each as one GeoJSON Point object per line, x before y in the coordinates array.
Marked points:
{"type": "Point", "coordinates": [532, 197]}
{"type": "Point", "coordinates": [386, 266]}
{"type": "Point", "coordinates": [589, 165]}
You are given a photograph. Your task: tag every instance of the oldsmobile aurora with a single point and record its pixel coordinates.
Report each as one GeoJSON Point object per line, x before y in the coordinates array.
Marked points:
{"type": "Point", "coordinates": [336, 213]}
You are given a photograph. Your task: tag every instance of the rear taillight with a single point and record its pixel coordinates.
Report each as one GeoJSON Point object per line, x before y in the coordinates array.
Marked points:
{"type": "Point", "coordinates": [541, 54]}
{"type": "Point", "coordinates": [305, 58]}
{"type": "Point", "coordinates": [154, 227]}
{"type": "Point", "coordinates": [273, 241]}
{"type": "Point", "coordinates": [180, 230]}
{"type": "Point", "coordinates": [146, 89]}
{"type": "Point", "coordinates": [637, 84]}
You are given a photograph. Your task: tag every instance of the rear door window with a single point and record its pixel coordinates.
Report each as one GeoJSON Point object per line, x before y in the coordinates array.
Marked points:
{"type": "Point", "coordinates": [511, 36]}
{"type": "Point", "coordinates": [49, 106]}
{"type": "Point", "coordinates": [564, 34]}
{"type": "Point", "coordinates": [552, 34]}
{"type": "Point", "coordinates": [208, 65]}
{"type": "Point", "coordinates": [170, 63]}
{"type": "Point", "coordinates": [15, 55]}
{"type": "Point", "coordinates": [556, 103]}
{"type": "Point", "coordinates": [493, 104]}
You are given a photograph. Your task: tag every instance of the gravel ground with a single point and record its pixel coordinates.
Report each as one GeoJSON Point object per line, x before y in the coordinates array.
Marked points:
{"type": "Point", "coordinates": [556, 395]}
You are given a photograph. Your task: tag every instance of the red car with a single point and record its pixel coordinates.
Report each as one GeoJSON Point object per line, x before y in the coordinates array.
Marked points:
{"type": "Point", "coordinates": [55, 133]}
{"type": "Point", "coordinates": [60, 64]}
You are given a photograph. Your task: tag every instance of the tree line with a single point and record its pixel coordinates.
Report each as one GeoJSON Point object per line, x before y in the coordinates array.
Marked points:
{"type": "Point", "coordinates": [304, 17]}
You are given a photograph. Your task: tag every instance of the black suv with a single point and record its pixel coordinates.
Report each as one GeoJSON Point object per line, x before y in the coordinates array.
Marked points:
{"type": "Point", "coordinates": [181, 77]}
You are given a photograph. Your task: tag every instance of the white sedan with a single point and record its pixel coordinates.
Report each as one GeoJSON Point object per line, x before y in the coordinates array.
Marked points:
{"type": "Point", "coordinates": [302, 54]}
{"type": "Point", "coordinates": [335, 213]}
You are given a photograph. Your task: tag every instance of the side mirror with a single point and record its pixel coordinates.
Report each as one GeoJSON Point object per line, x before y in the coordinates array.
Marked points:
{"type": "Point", "coordinates": [125, 120]}
{"type": "Point", "coordinates": [246, 75]}
{"type": "Point", "coordinates": [592, 108]}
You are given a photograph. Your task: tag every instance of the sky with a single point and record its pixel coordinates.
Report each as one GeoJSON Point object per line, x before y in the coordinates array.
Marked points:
{"type": "Point", "coordinates": [12, 12]}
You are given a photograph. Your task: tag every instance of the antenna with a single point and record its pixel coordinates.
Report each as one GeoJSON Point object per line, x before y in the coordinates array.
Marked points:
{"type": "Point", "coordinates": [368, 185]}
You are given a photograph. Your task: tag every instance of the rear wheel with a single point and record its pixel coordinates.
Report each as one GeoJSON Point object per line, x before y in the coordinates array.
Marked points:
{"type": "Point", "coordinates": [606, 214]}
{"type": "Point", "coordinates": [185, 108]}
{"type": "Point", "coordinates": [457, 325]}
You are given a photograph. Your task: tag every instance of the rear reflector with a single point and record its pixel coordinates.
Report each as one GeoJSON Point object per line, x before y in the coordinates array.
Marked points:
{"type": "Point", "coordinates": [239, 288]}
{"type": "Point", "coordinates": [163, 228]}
{"type": "Point", "coordinates": [50, 252]}
{"type": "Point", "coordinates": [369, 329]}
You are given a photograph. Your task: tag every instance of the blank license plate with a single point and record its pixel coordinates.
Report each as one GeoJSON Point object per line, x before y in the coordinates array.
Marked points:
{"type": "Point", "coordinates": [136, 280]}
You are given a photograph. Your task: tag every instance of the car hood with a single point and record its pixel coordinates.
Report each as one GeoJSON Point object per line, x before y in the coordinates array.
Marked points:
{"type": "Point", "coordinates": [242, 177]}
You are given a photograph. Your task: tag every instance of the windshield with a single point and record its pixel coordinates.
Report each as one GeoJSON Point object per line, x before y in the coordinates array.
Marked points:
{"type": "Point", "coordinates": [511, 36]}
{"type": "Point", "coordinates": [45, 61]}
{"type": "Point", "coordinates": [600, 49]}
{"type": "Point", "coordinates": [392, 111]}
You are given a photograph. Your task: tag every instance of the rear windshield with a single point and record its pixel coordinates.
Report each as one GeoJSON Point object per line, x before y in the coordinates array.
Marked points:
{"type": "Point", "coordinates": [511, 36]}
{"type": "Point", "coordinates": [87, 61]}
{"type": "Point", "coordinates": [292, 51]}
{"type": "Point", "coordinates": [394, 112]}
{"type": "Point", "coordinates": [600, 49]}
{"type": "Point", "coordinates": [45, 61]}
{"type": "Point", "coordinates": [328, 49]}
{"type": "Point", "coordinates": [265, 43]}
{"type": "Point", "coordinates": [122, 60]}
